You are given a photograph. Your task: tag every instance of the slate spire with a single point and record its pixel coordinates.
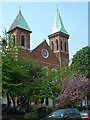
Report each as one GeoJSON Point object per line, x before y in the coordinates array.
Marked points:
{"type": "Point", "coordinates": [58, 25]}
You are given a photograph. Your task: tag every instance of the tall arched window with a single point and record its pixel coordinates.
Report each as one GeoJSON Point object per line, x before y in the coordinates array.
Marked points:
{"type": "Point", "coordinates": [52, 46]}
{"type": "Point", "coordinates": [13, 39]}
{"type": "Point", "coordinates": [62, 45]}
{"type": "Point", "coordinates": [22, 40]}
{"type": "Point", "coordinates": [56, 44]}
{"type": "Point", "coordinates": [65, 47]}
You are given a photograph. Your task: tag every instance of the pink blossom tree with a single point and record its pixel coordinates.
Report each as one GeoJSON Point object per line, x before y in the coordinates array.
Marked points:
{"type": "Point", "coordinates": [73, 90]}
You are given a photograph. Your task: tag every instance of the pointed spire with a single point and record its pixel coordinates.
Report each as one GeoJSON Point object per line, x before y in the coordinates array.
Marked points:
{"type": "Point", "coordinates": [20, 22]}
{"type": "Point", "coordinates": [58, 24]}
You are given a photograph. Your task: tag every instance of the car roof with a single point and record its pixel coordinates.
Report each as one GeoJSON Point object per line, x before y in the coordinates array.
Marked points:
{"type": "Point", "coordinates": [64, 109]}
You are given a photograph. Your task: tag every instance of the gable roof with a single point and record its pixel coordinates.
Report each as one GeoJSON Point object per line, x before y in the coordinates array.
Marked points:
{"type": "Point", "coordinates": [19, 22]}
{"type": "Point", "coordinates": [36, 54]}
{"type": "Point", "coordinates": [58, 25]}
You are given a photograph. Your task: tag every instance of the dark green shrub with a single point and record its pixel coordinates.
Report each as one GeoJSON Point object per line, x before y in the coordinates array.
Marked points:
{"type": "Point", "coordinates": [39, 112]}
{"type": "Point", "coordinates": [43, 111]}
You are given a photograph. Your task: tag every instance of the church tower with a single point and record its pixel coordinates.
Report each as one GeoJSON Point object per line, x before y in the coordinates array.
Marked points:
{"type": "Point", "coordinates": [58, 39]}
{"type": "Point", "coordinates": [19, 34]}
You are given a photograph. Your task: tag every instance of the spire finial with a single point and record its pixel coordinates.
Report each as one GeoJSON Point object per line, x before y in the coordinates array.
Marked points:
{"type": "Point", "coordinates": [19, 9]}
{"type": "Point", "coordinates": [57, 6]}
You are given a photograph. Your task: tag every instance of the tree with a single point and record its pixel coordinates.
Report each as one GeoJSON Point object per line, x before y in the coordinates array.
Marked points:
{"type": "Point", "coordinates": [13, 72]}
{"type": "Point", "coordinates": [25, 78]}
{"type": "Point", "coordinates": [74, 89]}
{"type": "Point", "coordinates": [50, 81]}
{"type": "Point", "coordinates": [48, 85]}
{"type": "Point", "coordinates": [12, 76]}
{"type": "Point", "coordinates": [17, 76]}
{"type": "Point", "coordinates": [81, 61]}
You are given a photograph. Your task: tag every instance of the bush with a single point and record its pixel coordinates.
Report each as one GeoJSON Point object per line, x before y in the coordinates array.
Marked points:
{"type": "Point", "coordinates": [42, 112]}
{"type": "Point", "coordinates": [39, 112]}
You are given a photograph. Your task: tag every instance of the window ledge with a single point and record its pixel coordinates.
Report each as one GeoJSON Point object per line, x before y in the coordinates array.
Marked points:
{"type": "Point", "coordinates": [64, 52]}
{"type": "Point", "coordinates": [56, 51]}
{"type": "Point", "coordinates": [22, 47]}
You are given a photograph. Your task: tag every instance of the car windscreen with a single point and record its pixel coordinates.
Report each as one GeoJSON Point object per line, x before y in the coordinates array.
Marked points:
{"type": "Point", "coordinates": [72, 111]}
{"type": "Point", "coordinates": [57, 113]}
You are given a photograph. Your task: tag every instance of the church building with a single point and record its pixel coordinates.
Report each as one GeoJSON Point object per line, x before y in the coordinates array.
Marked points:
{"type": "Point", "coordinates": [50, 56]}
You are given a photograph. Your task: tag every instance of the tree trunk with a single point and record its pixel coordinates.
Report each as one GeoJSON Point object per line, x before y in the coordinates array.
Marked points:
{"type": "Point", "coordinates": [22, 101]}
{"type": "Point", "coordinates": [8, 101]}
{"type": "Point", "coordinates": [13, 101]}
{"type": "Point", "coordinates": [28, 105]}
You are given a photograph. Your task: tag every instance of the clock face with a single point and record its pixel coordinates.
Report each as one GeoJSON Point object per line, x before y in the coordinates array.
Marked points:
{"type": "Point", "coordinates": [45, 53]}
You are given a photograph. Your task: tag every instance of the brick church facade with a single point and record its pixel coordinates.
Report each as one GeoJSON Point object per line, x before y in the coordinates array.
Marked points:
{"type": "Point", "coordinates": [51, 55]}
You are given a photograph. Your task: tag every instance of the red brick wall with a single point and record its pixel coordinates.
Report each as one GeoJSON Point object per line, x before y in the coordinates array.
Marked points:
{"type": "Point", "coordinates": [51, 61]}
{"type": "Point", "coordinates": [24, 52]}
{"type": "Point", "coordinates": [60, 54]}
{"type": "Point", "coordinates": [17, 33]}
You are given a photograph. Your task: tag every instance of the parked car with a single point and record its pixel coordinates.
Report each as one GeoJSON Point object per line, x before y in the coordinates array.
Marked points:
{"type": "Point", "coordinates": [85, 115]}
{"type": "Point", "coordinates": [64, 114]}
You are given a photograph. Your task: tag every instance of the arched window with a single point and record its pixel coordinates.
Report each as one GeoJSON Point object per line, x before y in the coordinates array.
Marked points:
{"type": "Point", "coordinates": [46, 68]}
{"type": "Point", "coordinates": [22, 40]}
{"type": "Point", "coordinates": [65, 47]}
{"type": "Point", "coordinates": [62, 45]}
{"type": "Point", "coordinates": [13, 39]}
{"type": "Point", "coordinates": [52, 46]}
{"type": "Point", "coordinates": [56, 44]}
{"type": "Point", "coordinates": [53, 69]}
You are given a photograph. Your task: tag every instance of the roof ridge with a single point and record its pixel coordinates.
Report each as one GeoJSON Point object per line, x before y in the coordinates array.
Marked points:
{"type": "Point", "coordinates": [48, 46]}
{"type": "Point", "coordinates": [38, 45]}
{"type": "Point", "coordinates": [19, 16]}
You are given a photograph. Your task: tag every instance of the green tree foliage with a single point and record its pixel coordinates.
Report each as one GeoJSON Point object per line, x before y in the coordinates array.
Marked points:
{"type": "Point", "coordinates": [18, 75]}
{"type": "Point", "coordinates": [12, 75]}
{"type": "Point", "coordinates": [48, 84]}
{"type": "Point", "coordinates": [81, 62]}
{"type": "Point", "coordinates": [25, 78]}
{"type": "Point", "coordinates": [32, 74]}
{"type": "Point", "coordinates": [50, 81]}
